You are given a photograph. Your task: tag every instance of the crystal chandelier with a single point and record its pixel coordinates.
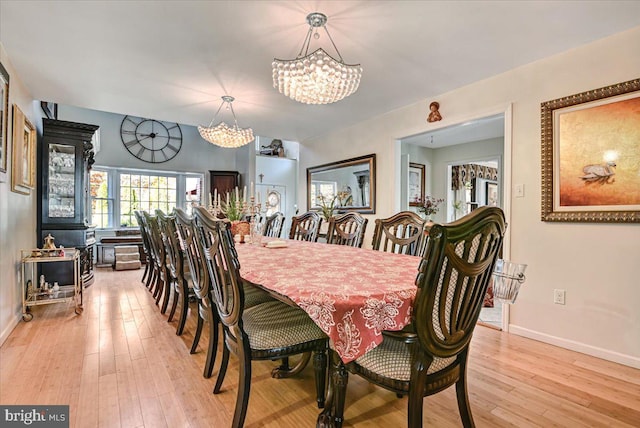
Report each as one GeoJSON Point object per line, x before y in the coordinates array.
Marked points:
{"type": "Point", "coordinates": [316, 78]}
{"type": "Point", "coordinates": [224, 135]}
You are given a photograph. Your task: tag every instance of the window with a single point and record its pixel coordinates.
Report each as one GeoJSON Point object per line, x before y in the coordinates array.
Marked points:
{"type": "Point", "coordinates": [326, 188]}
{"type": "Point", "coordinates": [117, 193]}
{"type": "Point", "coordinates": [101, 202]}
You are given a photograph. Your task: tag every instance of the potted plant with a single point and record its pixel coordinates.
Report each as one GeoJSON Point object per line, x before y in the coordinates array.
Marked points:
{"type": "Point", "coordinates": [235, 209]}
{"type": "Point", "coordinates": [327, 205]}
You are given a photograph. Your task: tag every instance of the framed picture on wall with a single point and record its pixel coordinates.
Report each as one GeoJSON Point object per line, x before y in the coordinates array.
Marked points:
{"type": "Point", "coordinates": [23, 174]}
{"type": "Point", "coordinates": [416, 184]}
{"type": "Point", "coordinates": [4, 118]}
{"type": "Point", "coordinates": [491, 193]}
{"type": "Point", "coordinates": [591, 157]}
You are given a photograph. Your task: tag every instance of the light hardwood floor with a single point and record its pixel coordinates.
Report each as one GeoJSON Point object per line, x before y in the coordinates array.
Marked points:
{"type": "Point", "coordinates": [120, 364]}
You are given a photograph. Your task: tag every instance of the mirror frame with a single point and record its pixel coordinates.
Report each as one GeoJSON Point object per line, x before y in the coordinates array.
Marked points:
{"type": "Point", "coordinates": [368, 160]}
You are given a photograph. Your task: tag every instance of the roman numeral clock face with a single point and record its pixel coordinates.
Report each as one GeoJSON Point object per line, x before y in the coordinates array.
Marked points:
{"type": "Point", "coordinates": [151, 140]}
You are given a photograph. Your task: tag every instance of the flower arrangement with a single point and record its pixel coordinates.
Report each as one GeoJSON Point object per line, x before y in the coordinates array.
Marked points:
{"type": "Point", "coordinates": [429, 205]}
{"type": "Point", "coordinates": [327, 205]}
{"type": "Point", "coordinates": [234, 209]}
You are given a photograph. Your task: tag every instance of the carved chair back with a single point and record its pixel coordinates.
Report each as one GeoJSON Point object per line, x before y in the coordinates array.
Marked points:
{"type": "Point", "coordinates": [185, 225]}
{"type": "Point", "coordinates": [273, 225]}
{"type": "Point", "coordinates": [347, 229]}
{"type": "Point", "coordinates": [155, 239]}
{"type": "Point", "coordinates": [305, 227]}
{"type": "Point", "coordinates": [144, 232]}
{"type": "Point", "coordinates": [221, 260]}
{"type": "Point", "coordinates": [402, 233]}
{"type": "Point", "coordinates": [453, 279]}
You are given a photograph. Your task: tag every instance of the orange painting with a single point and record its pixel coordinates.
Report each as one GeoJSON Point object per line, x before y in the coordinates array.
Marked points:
{"type": "Point", "coordinates": [597, 149]}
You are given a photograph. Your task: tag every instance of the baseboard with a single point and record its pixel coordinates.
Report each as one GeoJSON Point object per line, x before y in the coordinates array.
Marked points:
{"type": "Point", "coordinates": [10, 326]}
{"type": "Point", "coordinates": [605, 354]}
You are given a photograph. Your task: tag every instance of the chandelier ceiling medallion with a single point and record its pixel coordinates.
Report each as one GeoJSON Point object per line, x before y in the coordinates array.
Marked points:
{"type": "Point", "coordinates": [224, 135]}
{"type": "Point", "coordinates": [317, 77]}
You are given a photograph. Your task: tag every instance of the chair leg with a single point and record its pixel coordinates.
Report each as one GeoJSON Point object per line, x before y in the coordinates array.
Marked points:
{"type": "Point", "coordinates": [416, 388]}
{"type": "Point", "coordinates": [320, 369]}
{"type": "Point", "coordinates": [463, 397]}
{"type": "Point", "coordinates": [160, 291]}
{"type": "Point", "coordinates": [146, 271]}
{"type": "Point", "coordinates": [223, 370]}
{"type": "Point", "coordinates": [196, 337]}
{"type": "Point", "coordinates": [151, 278]}
{"type": "Point", "coordinates": [174, 304]}
{"type": "Point", "coordinates": [213, 346]}
{"type": "Point", "coordinates": [168, 285]}
{"type": "Point", "coordinates": [244, 388]}
{"type": "Point", "coordinates": [184, 310]}
{"type": "Point", "coordinates": [157, 284]}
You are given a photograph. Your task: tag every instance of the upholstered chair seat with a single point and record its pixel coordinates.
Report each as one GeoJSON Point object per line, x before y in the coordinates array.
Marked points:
{"type": "Point", "coordinates": [275, 324]}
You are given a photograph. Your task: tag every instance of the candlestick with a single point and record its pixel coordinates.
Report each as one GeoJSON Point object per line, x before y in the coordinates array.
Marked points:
{"type": "Point", "coordinates": [237, 198]}
{"type": "Point", "coordinates": [210, 203]}
{"type": "Point", "coordinates": [251, 194]}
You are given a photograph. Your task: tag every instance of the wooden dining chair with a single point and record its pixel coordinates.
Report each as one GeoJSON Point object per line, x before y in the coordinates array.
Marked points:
{"type": "Point", "coordinates": [305, 227]}
{"type": "Point", "coordinates": [402, 233]}
{"type": "Point", "coordinates": [145, 248]}
{"type": "Point", "coordinates": [207, 313]}
{"type": "Point", "coordinates": [431, 354]}
{"type": "Point", "coordinates": [268, 331]}
{"type": "Point", "coordinates": [273, 225]}
{"type": "Point", "coordinates": [159, 259]}
{"type": "Point", "coordinates": [177, 269]}
{"type": "Point", "coordinates": [201, 288]}
{"type": "Point", "coordinates": [347, 229]}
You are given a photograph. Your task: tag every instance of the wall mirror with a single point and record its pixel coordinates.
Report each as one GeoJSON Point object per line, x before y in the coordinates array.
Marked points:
{"type": "Point", "coordinates": [349, 184]}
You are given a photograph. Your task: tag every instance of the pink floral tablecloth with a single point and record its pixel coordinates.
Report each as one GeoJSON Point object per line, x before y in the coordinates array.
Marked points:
{"type": "Point", "coordinates": [353, 294]}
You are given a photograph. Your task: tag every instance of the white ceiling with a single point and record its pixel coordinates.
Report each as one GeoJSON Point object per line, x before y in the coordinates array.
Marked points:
{"type": "Point", "coordinates": [173, 60]}
{"type": "Point", "coordinates": [475, 130]}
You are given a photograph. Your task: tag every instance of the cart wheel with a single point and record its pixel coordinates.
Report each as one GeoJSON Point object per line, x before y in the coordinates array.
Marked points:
{"type": "Point", "coordinates": [78, 310]}
{"type": "Point", "coordinates": [27, 317]}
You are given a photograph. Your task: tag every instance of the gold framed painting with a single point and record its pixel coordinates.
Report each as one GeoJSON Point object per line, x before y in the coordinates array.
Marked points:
{"type": "Point", "coordinates": [23, 173]}
{"type": "Point", "coordinates": [4, 117]}
{"type": "Point", "coordinates": [591, 156]}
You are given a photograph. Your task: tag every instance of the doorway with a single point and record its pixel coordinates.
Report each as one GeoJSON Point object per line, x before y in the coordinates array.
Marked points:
{"type": "Point", "coordinates": [468, 165]}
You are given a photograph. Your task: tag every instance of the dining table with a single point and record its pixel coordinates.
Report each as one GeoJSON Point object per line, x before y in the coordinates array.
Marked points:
{"type": "Point", "coordinates": [352, 294]}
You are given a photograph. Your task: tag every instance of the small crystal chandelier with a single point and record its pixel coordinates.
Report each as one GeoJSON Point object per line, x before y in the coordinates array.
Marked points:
{"type": "Point", "coordinates": [316, 78]}
{"type": "Point", "coordinates": [222, 134]}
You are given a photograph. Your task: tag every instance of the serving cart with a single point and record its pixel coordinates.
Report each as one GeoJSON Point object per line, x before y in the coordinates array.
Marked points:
{"type": "Point", "coordinates": [34, 294]}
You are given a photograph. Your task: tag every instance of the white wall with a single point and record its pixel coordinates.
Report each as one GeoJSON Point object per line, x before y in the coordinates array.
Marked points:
{"type": "Point", "coordinates": [17, 211]}
{"type": "Point", "coordinates": [278, 172]}
{"type": "Point", "coordinates": [196, 154]}
{"type": "Point", "coordinates": [595, 263]}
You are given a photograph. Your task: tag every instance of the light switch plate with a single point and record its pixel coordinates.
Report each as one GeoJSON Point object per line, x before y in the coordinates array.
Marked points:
{"type": "Point", "coordinates": [519, 191]}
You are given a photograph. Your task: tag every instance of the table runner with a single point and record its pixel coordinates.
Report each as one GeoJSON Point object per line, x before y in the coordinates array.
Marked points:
{"type": "Point", "coordinates": [352, 294]}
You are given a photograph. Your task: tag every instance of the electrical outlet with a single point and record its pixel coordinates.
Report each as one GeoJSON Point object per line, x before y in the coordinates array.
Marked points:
{"type": "Point", "coordinates": [558, 296]}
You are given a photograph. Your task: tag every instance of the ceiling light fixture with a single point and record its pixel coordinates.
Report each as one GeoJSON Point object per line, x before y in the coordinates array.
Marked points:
{"type": "Point", "coordinates": [222, 134]}
{"type": "Point", "coordinates": [316, 78]}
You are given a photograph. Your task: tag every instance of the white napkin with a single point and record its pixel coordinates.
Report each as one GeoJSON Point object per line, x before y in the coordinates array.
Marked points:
{"type": "Point", "coordinates": [276, 244]}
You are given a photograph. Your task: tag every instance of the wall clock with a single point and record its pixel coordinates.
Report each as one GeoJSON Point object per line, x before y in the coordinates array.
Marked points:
{"type": "Point", "coordinates": [151, 140]}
